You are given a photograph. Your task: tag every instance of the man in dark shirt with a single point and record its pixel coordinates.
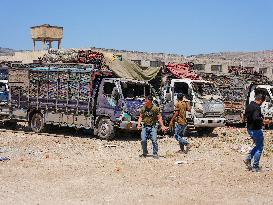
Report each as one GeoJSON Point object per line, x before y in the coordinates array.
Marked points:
{"type": "Point", "coordinates": [150, 115]}
{"type": "Point", "coordinates": [255, 122]}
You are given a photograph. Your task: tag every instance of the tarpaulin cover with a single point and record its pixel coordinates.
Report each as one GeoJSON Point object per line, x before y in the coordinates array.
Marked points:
{"type": "Point", "coordinates": [182, 71]}
{"type": "Point", "coordinates": [120, 66]}
{"type": "Point", "coordinates": [130, 70]}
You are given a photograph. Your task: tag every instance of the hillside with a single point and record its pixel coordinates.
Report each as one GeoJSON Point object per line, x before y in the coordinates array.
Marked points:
{"type": "Point", "coordinates": [6, 51]}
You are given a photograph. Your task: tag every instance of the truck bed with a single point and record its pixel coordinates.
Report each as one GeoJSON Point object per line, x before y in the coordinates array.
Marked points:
{"type": "Point", "coordinates": [65, 88]}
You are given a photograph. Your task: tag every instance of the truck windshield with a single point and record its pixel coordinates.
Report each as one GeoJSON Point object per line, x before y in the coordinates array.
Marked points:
{"type": "Point", "coordinates": [204, 89]}
{"type": "Point", "coordinates": [135, 90]}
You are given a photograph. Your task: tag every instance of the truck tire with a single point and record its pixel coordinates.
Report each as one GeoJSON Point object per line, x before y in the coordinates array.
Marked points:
{"type": "Point", "coordinates": [106, 130]}
{"type": "Point", "coordinates": [37, 123]}
{"type": "Point", "coordinates": [205, 131]}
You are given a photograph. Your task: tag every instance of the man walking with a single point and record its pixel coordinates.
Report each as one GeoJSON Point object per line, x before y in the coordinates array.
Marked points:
{"type": "Point", "coordinates": [179, 117]}
{"type": "Point", "coordinates": [255, 122]}
{"type": "Point", "coordinates": [149, 116]}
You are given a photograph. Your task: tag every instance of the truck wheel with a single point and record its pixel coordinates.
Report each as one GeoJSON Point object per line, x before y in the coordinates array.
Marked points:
{"type": "Point", "coordinates": [37, 123]}
{"type": "Point", "coordinates": [106, 129]}
{"type": "Point", "coordinates": [205, 131]}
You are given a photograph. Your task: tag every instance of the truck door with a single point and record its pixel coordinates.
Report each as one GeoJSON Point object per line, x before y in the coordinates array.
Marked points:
{"type": "Point", "coordinates": [267, 104]}
{"type": "Point", "coordinates": [167, 103]}
{"type": "Point", "coordinates": [183, 88]}
{"type": "Point", "coordinates": [108, 101]}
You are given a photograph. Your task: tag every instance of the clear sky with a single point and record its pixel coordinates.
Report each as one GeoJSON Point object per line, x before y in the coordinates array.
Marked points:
{"type": "Point", "coordinates": [173, 26]}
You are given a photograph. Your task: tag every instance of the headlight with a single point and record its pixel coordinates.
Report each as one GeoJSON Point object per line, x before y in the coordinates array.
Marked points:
{"type": "Point", "coordinates": [198, 108]}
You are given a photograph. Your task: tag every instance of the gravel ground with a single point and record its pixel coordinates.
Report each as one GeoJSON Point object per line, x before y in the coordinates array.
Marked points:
{"type": "Point", "coordinates": [74, 168]}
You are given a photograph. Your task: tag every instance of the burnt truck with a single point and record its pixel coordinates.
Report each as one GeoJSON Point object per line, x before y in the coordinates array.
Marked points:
{"type": "Point", "coordinates": [205, 99]}
{"type": "Point", "coordinates": [235, 110]}
{"type": "Point", "coordinates": [75, 95]}
{"type": "Point", "coordinates": [239, 89]}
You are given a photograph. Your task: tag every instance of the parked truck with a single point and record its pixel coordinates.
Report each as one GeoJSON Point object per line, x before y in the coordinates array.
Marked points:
{"type": "Point", "coordinates": [235, 110]}
{"type": "Point", "coordinates": [75, 95]}
{"type": "Point", "coordinates": [207, 106]}
{"type": "Point", "coordinates": [239, 89]}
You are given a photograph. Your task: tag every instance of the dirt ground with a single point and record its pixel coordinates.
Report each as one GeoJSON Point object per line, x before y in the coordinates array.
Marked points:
{"type": "Point", "coordinates": [74, 168]}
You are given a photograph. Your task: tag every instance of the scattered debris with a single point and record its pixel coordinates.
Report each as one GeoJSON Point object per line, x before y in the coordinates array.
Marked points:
{"type": "Point", "coordinates": [110, 145]}
{"type": "Point", "coordinates": [181, 162]}
{"type": "Point", "coordinates": [245, 149]}
{"type": "Point", "coordinates": [4, 158]}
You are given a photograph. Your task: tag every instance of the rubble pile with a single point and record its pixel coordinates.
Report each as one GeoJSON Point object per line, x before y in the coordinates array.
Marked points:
{"type": "Point", "coordinates": [237, 70]}
{"type": "Point", "coordinates": [61, 56]}
{"type": "Point", "coordinates": [75, 56]}
{"type": "Point", "coordinates": [239, 57]}
{"type": "Point", "coordinates": [234, 87]}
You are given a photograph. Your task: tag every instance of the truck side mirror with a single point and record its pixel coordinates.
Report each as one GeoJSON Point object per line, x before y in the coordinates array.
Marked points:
{"type": "Point", "coordinates": [268, 99]}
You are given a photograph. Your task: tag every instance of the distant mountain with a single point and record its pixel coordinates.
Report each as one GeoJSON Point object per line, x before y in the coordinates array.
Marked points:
{"type": "Point", "coordinates": [257, 56]}
{"type": "Point", "coordinates": [6, 51]}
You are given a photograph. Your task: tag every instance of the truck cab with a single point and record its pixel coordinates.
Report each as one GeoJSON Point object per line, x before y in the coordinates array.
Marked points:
{"type": "Point", "coordinates": [118, 105]}
{"type": "Point", "coordinates": [4, 100]}
{"type": "Point", "coordinates": [207, 107]}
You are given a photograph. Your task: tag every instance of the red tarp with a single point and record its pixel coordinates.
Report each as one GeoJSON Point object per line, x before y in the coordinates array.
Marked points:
{"type": "Point", "coordinates": [182, 71]}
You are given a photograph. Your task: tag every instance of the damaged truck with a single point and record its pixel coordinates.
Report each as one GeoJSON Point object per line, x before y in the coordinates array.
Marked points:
{"type": "Point", "coordinates": [75, 95]}
{"type": "Point", "coordinates": [235, 110]}
{"type": "Point", "coordinates": [239, 89]}
{"type": "Point", "coordinates": [207, 111]}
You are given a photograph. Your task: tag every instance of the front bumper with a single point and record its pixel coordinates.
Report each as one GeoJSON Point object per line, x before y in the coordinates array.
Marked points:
{"type": "Point", "coordinates": [128, 125]}
{"type": "Point", "coordinates": [233, 119]}
{"type": "Point", "coordinates": [4, 113]}
{"type": "Point", "coordinates": [209, 122]}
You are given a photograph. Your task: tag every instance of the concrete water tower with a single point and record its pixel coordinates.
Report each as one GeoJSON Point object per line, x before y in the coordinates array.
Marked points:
{"type": "Point", "coordinates": [46, 34]}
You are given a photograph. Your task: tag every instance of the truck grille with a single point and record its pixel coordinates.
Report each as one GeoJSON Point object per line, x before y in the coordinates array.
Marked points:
{"type": "Point", "coordinates": [212, 114]}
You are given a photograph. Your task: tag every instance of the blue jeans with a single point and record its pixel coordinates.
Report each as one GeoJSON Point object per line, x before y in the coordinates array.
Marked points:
{"type": "Point", "coordinates": [256, 152]}
{"type": "Point", "coordinates": [149, 133]}
{"type": "Point", "coordinates": [179, 134]}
